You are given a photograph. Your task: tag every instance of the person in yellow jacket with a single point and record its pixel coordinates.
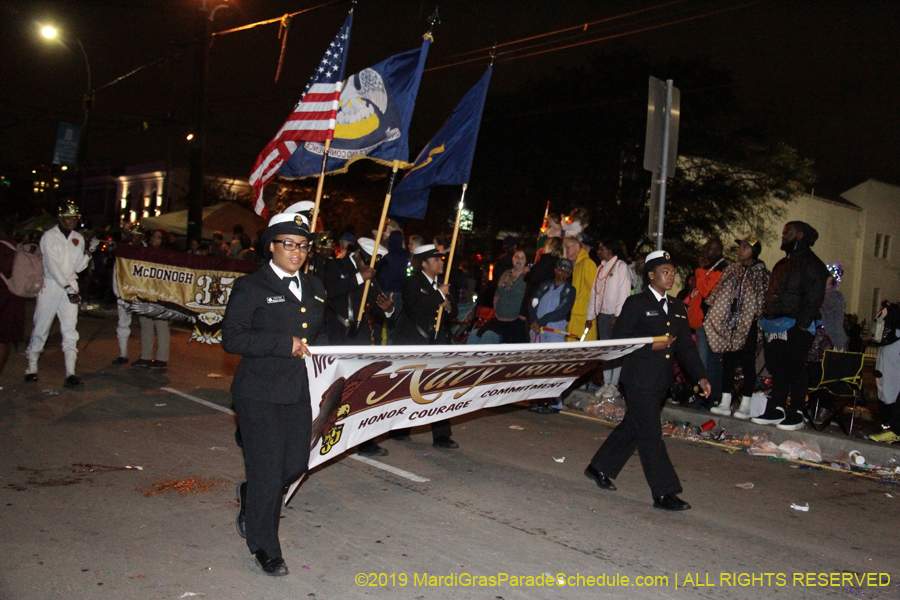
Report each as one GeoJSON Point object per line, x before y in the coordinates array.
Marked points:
{"type": "Point", "coordinates": [582, 279]}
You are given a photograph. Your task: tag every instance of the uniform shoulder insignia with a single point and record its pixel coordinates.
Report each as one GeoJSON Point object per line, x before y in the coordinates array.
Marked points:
{"type": "Point", "coordinates": [319, 299]}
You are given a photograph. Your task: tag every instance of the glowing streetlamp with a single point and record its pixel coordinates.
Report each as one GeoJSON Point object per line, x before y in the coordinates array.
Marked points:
{"type": "Point", "coordinates": [50, 32]}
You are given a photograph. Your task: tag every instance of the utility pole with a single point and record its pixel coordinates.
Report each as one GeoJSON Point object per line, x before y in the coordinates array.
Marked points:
{"type": "Point", "coordinates": [201, 66]}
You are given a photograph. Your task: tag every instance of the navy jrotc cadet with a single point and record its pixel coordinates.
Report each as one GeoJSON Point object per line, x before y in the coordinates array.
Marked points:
{"type": "Point", "coordinates": [647, 374]}
{"type": "Point", "coordinates": [321, 251]}
{"type": "Point", "coordinates": [344, 281]}
{"type": "Point", "coordinates": [423, 295]}
{"type": "Point", "coordinates": [273, 316]}
{"type": "Point", "coordinates": [65, 254]}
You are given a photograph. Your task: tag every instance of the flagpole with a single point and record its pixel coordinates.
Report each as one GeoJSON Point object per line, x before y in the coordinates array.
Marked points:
{"type": "Point", "coordinates": [315, 214]}
{"type": "Point", "coordinates": [384, 211]}
{"type": "Point", "coordinates": [437, 323]}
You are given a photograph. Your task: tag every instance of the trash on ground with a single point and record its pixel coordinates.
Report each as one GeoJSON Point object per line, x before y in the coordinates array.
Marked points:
{"type": "Point", "coordinates": [608, 409]}
{"type": "Point", "coordinates": [189, 594]}
{"type": "Point", "coordinates": [50, 392]}
{"type": "Point", "coordinates": [857, 458]}
{"type": "Point", "coordinates": [804, 508]}
{"type": "Point", "coordinates": [218, 448]}
{"type": "Point", "coordinates": [888, 495]}
{"type": "Point", "coordinates": [765, 448]}
{"type": "Point", "coordinates": [160, 404]}
{"type": "Point", "coordinates": [517, 427]}
{"type": "Point", "coordinates": [745, 486]}
{"type": "Point", "coordinates": [183, 486]}
{"type": "Point", "coordinates": [91, 468]}
{"type": "Point", "coordinates": [214, 376]}
{"type": "Point", "coordinates": [806, 450]}
{"type": "Point", "coordinates": [559, 459]}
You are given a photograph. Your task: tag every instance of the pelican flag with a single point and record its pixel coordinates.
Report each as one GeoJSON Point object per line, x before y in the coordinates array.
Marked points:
{"type": "Point", "coordinates": [372, 120]}
{"type": "Point", "coordinates": [312, 119]}
{"type": "Point", "coordinates": [447, 159]}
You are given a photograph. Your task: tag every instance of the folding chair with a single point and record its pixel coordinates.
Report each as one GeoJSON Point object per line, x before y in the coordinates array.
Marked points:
{"type": "Point", "coordinates": [834, 385]}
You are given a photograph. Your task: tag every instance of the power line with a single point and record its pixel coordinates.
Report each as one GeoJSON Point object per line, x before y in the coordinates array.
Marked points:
{"type": "Point", "coordinates": [582, 27]}
{"type": "Point", "coordinates": [600, 39]}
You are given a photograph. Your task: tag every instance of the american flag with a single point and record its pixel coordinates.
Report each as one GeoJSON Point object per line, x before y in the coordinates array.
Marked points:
{"type": "Point", "coordinates": [313, 118]}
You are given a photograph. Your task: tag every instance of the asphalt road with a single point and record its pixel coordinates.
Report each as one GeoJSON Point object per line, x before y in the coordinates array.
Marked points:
{"type": "Point", "coordinates": [75, 524]}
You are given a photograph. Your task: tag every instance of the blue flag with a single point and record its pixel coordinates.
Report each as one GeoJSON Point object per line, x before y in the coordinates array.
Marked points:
{"type": "Point", "coordinates": [447, 159]}
{"type": "Point", "coordinates": [372, 121]}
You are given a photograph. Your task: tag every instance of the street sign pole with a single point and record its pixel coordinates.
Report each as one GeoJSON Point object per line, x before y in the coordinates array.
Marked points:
{"type": "Point", "coordinates": [664, 164]}
{"type": "Point", "coordinates": [661, 148]}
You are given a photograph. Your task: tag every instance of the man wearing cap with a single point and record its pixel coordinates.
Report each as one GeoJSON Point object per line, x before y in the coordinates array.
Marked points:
{"type": "Point", "coordinates": [548, 312]}
{"type": "Point", "coordinates": [792, 304]}
{"type": "Point", "coordinates": [272, 317]}
{"type": "Point", "coordinates": [65, 254]}
{"type": "Point", "coordinates": [647, 374]}
{"type": "Point", "coordinates": [344, 280]}
{"type": "Point", "coordinates": [423, 296]}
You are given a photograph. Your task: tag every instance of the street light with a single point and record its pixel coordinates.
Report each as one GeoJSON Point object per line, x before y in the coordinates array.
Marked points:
{"type": "Point", "coordinates": [51, 32]}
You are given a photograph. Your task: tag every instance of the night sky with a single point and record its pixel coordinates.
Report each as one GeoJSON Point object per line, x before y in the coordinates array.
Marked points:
{"type": "Point", "coordinates": [819, 75]}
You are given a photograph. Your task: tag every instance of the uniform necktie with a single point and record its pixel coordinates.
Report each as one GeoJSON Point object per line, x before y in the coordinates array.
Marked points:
{"type": "Point", "coordinates": [288, 279]}
{"type": "Point", "coordinates": [663, 305]}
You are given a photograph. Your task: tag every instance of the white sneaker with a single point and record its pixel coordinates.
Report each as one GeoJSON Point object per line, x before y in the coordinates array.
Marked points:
{"type": "Point", "coordinates": [743, 411]}
{"type": "Point", "coordinates": [724, 407]}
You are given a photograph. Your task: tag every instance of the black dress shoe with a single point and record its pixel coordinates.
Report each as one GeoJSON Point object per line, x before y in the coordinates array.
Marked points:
{"type": "Point", "coordinates": [670, 502]}
{"type": "Point", "coordinates": [603, 482]}
{"type": "Point", "coordinates": [401, 438]}
{"type": "Point", "coordinates": [73, 381]}
{"type": "Point", "coordinates": [122, 360]}
{"type": "Point", "coordinates": [372, 449]}
{"type": "Point", "coordinates": [271, 566]}
{"type": "Point", "coordinates": [445, 442]}
{"type": "Point", "coordinates": [241, 521]}
{"type": "Point", "coordinates": [30, 377]}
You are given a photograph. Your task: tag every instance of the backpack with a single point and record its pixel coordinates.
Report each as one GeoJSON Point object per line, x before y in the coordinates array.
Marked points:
{"type": "Point", "coordinates": [27, 272]}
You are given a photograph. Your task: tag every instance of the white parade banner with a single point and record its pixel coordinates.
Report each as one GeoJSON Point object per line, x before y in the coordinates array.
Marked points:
{"type": "Point", "coordinates": [358, 393]}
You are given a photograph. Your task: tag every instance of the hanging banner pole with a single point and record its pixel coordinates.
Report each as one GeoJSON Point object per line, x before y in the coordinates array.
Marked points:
{"type": "Point", "coordinates": [384, 211]}
{"type": "Point", "coordinates": [440, 313]}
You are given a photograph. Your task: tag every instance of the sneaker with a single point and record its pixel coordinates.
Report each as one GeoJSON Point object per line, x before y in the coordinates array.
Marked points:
{"type": "Point", "coordinates": [792, 421]}
{"type": "Point", "coordinates": [158, 364]}
{"type": "Point", "coordinates": [773, 416]}
{"type": "Point", "coordinates": [885, 437]}
{"type": "Point", "coordinates": [143, 363]}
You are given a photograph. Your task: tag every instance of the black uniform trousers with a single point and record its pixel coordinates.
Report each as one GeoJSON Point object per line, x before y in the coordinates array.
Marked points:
{"type": "Point", "coordinates": [273, 459]}
{"type": "Point", "coordinates": [641, 427]}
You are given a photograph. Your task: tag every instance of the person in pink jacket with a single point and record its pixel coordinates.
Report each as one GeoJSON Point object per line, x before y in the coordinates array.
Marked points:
{"type": "Point", "coordinates": [612, 286]}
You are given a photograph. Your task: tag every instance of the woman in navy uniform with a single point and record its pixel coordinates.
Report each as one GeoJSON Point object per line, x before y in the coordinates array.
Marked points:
{"type": "Point", "coordinates": [647, 374]}
{"type": "Point", "coordinates": [271, 317]}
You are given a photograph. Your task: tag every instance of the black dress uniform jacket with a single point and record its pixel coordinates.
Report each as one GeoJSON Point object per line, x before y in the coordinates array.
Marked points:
{"type": "Point", "coordinates": [643, 316]}
{"type": "Point", "coordinates": [344, 297]}
{"type": "Point", "coordinates": [646, 376]}
{"type": "Point", "coordinates": [261, 319]}
{"type": "Point", "coordinates": [271, 390]}
{"type": "Point", "coordinates": [415, 325]}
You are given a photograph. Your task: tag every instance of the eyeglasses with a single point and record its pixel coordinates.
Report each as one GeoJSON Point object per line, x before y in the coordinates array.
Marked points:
{"type": "Point", "coordinates": [291, 245]}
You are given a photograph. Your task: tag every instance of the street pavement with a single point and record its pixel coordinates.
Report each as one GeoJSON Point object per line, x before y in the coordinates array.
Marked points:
{"type": "Point", "coordinates": [511, 502]}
